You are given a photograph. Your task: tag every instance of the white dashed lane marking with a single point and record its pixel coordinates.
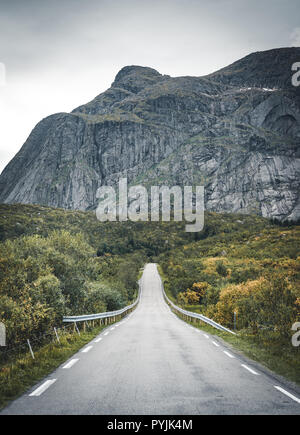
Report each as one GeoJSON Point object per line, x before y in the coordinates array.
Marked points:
{"type": "Point", "coordinates": [216, 344]}
{"type": "Point", "coordinates": [70, 363]}
{"type": "Point", "coordinates": [291, 396]}
{"type": "Point", "coordinates": [42, 388]}
{"type": "Point", "coordinates": [249, 369]}
{"type": "Point", "coordinates": [228, 354]}
{"type": "Point", "coordinates": [87, 349]}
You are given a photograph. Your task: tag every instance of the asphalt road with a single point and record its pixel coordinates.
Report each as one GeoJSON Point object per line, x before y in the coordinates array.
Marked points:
{"type": "Point", "coordinates": [154, 363]}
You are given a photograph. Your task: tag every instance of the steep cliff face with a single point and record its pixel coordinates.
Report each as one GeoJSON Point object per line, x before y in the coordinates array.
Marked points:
{"type": "Point", "coordinates": [237, 131]}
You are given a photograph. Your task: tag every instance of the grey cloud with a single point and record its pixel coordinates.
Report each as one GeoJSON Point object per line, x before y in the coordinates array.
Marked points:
{"type": "Point", "coordinates": [38, 33]}
{"type": "Point", "coordinates": [71, 49]}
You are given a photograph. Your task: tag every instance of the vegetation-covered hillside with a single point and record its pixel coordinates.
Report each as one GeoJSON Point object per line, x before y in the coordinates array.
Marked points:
{"type": "Point", "coordinates": [55, 262]}
{"type": "Point", "coordinates": [49, 268]}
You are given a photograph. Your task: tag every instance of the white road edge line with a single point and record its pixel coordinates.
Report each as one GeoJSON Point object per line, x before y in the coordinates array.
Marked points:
{"type": "Point", "coordinates": [43, 387]}
{"type": "Point", "coordinates": [70, 363]}
{"type": "Point", "coordinates": [291, 396]}
{"type": "Point", "coordinates": [249, 369]}
{"type": "Point", "coordinates": [87, 349]}
{"type": "Point", "coordinates": [228, 354]}
{"type": "Point", "coordinates": [98, 339]}
{"type": "Point", "coordinates": [106, 333]}
{"type": "Point", "coordinates": [216, 344]}
{"type": "Point", "coordinates": [206, 336]}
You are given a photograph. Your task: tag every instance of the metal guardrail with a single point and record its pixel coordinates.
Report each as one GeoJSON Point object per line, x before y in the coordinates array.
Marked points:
{"type": "Point", "coordinates": [109, 314]}
{"type": "Point", "coordinates": [194, 315]}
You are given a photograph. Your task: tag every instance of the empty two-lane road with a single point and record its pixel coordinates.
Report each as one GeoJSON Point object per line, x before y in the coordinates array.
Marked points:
{"type": "Point", "coordinates": [154, 363]}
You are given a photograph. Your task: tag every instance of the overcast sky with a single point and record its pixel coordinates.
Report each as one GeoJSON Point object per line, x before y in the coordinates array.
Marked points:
{"type": "Point", "coordinates": [58, 54]}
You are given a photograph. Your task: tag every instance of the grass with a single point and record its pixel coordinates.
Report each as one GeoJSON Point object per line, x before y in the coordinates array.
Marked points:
{"type": "Point", "coordinates": [18, 376]}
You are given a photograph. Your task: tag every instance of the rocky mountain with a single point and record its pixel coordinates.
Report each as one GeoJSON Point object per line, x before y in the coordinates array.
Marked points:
{"type": "Point", "coordinates": [236, 130]}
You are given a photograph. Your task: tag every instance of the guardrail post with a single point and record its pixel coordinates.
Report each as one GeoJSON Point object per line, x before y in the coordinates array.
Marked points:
{"type": "Point", "coordinates": [76, 328]}
{"type": "Point", "coordinates": [57, 337]}
{"type": "Point", "coordinates": [32, 354]}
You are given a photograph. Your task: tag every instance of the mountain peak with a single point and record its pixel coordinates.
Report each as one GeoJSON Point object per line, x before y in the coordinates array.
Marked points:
{"type": "Point", "coordinates": [134, 78]}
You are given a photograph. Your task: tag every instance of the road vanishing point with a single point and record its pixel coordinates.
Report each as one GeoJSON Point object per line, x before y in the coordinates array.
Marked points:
{"type": "Point", "coordinates": [153, 363]}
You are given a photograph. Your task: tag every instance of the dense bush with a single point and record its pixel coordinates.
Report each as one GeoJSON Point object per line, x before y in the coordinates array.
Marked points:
{"type": "Point", "coordinates": [44, 278]}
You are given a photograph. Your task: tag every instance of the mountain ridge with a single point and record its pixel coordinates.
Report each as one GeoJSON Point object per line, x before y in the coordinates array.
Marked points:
{"type": "Point", "coordinates": [236, 130]}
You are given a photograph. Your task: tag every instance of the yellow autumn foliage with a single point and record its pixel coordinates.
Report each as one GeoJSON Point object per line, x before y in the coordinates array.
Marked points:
{"type": "Point", "coordinates": [230, 297]}
{"type": "Point", "coordinates": [188, 297]}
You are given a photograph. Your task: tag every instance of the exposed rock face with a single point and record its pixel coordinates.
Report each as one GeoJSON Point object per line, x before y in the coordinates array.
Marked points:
{"type": "Point", "coordinates": [237, 131]}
